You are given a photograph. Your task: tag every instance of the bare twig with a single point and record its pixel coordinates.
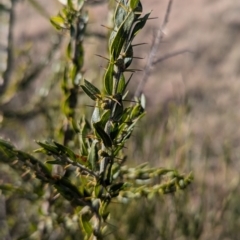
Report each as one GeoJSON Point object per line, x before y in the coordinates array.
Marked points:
{"type": "Point", "coordinates": [6, 75]}
{"type": "Point", "coordinates": [78, 165]}
{"type": "Point", "coordinates": [169, 55]}
{"type": "Point", "coordinates": [156, 42]}
{"type": "Point", "coordinates": [32, 74]}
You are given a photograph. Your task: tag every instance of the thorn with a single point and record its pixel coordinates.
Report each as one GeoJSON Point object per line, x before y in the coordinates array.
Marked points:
{"type": "Point", "coordinates": [129, 101]}
{"type": "Point", "coordinates": [109, 28]}
{"type": "Point", "coordinates": [152, 18]}
{"type": "Point", "coordinates": [55, 197]}
{"type": "Point", "coordinates": [133, 70]}
{"type": "Point", "coordinates": [138, 44]}
{"type": "Point", "coordinates": [169, 55]}
{"type": "Point", "coordinates": [138, 57]}
{"type": "Point", "coordinates": [67, 166]}
{"type": "Point", "coordinates": [103, 68]}
{"type": "Point", "coordinates": [92, 106]}
{"type": "Point", "coordinates": [89, 105]}
{"type": "Point", "coordinates": [102, 57]}
{"type": "Point", "coordinates": [15, 162]}
{"type": "Point", "coordinates": [25, 173]}
{"type": "Point", "coordinates": [129, 79]}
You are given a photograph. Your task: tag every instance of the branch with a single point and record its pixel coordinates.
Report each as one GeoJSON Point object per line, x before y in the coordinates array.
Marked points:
{"type": "Point", "coordinates": [154, 48]}
{"type": "Point", "coordinates": [76, 164]}
{"type": "Point", "coordinates": [4, 80]}
{"type": "Point", "coordinates": [169, 55]}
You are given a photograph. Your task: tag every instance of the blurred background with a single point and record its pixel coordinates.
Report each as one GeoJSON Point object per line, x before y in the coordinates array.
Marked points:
{"type": "Point", "coordinates": [191, 123]}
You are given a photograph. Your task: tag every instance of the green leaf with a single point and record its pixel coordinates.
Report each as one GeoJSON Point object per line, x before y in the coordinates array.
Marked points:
{"type": "Point", "coordinates": [37, 167]}
{"type": "Point", "coordinates": [7, 187]}
{"type": "Point", "coordinates": [130, 128]}
{"type": "Point", "coordinates": [79, 53]}
{"type": "Point", "coordinates": [128, 23]}
{"type": "Point", "coordinates": [139, 25]}
{"type": "Point", "coordinates": [117, 43]}
{"type": "Point", "coordinates": [120, 13]}
{"type": "Point", "coordinates": [75, 126]}
{"type": "Point", "coordinates": [68, 190]}
{"type": "Point", "coordinates": [104, 118]}
{"type": "Point", "coordinates": [92, 96]}
{"type": "Point", "coordinates": [93, 155]}
{"type": "Point", "coordinates": [121, 84]}
{"type": "Point", "coordinates": [134, 4]}
{"type": "Point", "coordinates": [116, 187]}
{"type": "Point", "coordinates": [103, 135]}
{"type": "Point", "coordinates": [108, 79]}
{"type": "Point", "coordinates": [122, 35]}
{"type": "Point", "coordinates": [117, 109]}
{"type": "Point", "coordinates": [97, 190]}
{"type": "Point", "coordinates": [69, 50]}
{"type": "Point", "coordinates": [126, 115]}
{"type": "Point", "coordinates": [58, 22]}
{"type": "Point", "coordinates": [90, 90]}
{"type": "Point", "coordinates": [86, 225]}
{"type": "Point", "coordinates": [128, 57]}
{"type": "Point", "coordinates": [66, 150]}
{"type": "Point", "coordinates": [84, 128]}
{"type": "Point", "coordinates": [6, 144]}
{"type": "Point", "coordinates": [70, 4]}
{"type": "Point", "coordinates": [136, 111]}
{"type": "Point", "coordinates": [91, 87]}
{"type": "Point", "coordinates": [114, 131]}
{"type": "Point", "coordinates": [48, 147]}
{"type": "Point", "coordinates": [57, 162]}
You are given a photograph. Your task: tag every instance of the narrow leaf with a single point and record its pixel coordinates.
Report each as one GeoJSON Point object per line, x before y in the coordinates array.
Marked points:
{"type": "Point", "coordinates": [91, 87]}
{"type": "Point", "coordinates": [48, 147]}
{"type": "Point", "coordinates": [108, 79]}
{"type": "Point", "coordinates": [139, 25]}
{"type": "Point", "coordinates": [93, 155]}
{"type": "Point", "coordinates": [121, 85]}
{"type": "Point", "coordinates": [66, 150]}
{"type": "Point", "coordinates": [134, 4]}
{"type": "Point", "coordinates": [89, 93]}
{"type": "Point", "coordinates": [103, 135]}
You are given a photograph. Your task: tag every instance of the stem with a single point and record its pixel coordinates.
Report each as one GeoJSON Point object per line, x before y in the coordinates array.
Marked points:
{"type": "Point", "coordinates": [154, 48]}
{"type": "Point", "coordinates": [76, 164]}
{"type": "Point", "coordinates": [6, 75]}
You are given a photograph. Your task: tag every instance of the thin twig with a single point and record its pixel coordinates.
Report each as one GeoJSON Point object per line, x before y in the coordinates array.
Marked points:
{"type": "Point", "coordinates": [78, 165]}
{"type": "Point", "coordinates": [7, 73]}
{"type": "Point", "coordinates": [169, 55]}
{"type": "Point", "coordinates": [156, 42]}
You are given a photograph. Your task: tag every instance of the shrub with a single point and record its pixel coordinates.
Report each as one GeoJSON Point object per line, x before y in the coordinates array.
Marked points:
{"type": "Point", "coordinates": [89, 168]}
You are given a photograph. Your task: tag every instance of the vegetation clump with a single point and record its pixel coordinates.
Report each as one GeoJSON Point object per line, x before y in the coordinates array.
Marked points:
{"type": "Point", "coordinates": [91, 156]}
